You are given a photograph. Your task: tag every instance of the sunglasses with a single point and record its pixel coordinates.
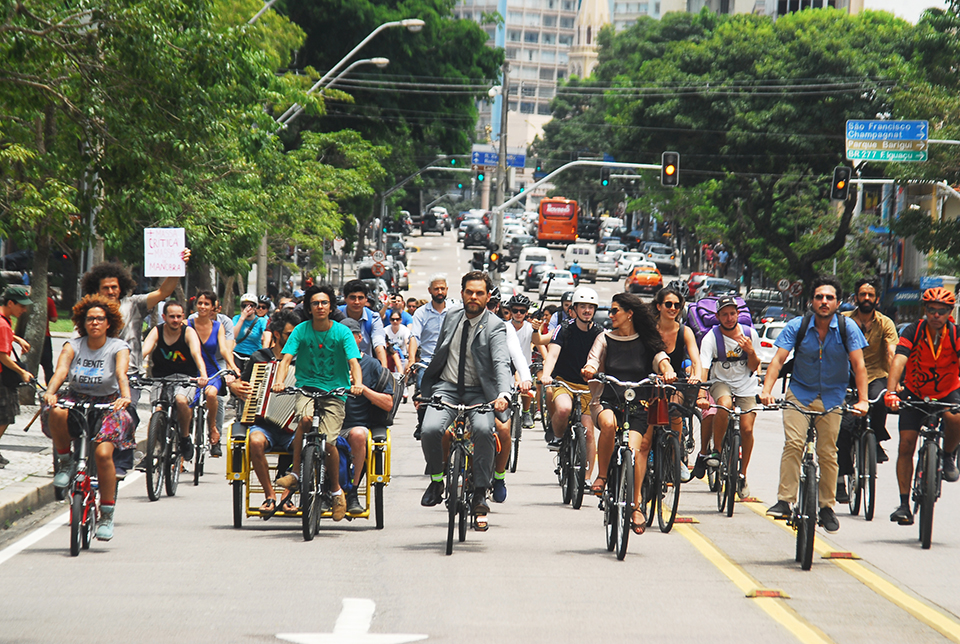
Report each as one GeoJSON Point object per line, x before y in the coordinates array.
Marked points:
{"type": "Point", "coordinates": [614, 310]}
{"type": "Point", "coordinates": [518, 311]}
{"type": "Point", "coordinates": [395, 319]}
{"type": "Point", "coordinates": [824, 296]}
{"type": "Point", "coordinates": [930, 311]}
{"type": "Point", "coordinates": [96, 318]}
{"type": "Point", "coordinates": [263, 306]}
{"type": "Point", "coordinates": [671, 305]}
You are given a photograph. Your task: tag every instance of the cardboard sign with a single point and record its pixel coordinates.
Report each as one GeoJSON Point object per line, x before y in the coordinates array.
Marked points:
{"type": "Point", "coordinates": [161, 252]}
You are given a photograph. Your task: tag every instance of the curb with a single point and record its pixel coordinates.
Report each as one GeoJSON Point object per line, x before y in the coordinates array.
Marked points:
{"type": "Point", "coordinates": [23, 497]}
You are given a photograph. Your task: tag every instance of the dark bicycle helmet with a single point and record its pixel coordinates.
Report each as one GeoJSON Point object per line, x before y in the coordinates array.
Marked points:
{"type": "Point", "coordinates": [566, 297]}
{"type": "Point", "coordinates": [494, 294]}
{"type": "Point", "coordinates": [519, 299]}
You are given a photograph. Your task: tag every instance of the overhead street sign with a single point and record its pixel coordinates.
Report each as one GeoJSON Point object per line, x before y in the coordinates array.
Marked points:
{"type": "Point", "coordinates": [887, 130]}
{"type": "Point", "coordinates": [492, 159]}
{"type": "Point", "coordinates": [887, 140]}
{"type": "Point", "coordinates": [887, 155]}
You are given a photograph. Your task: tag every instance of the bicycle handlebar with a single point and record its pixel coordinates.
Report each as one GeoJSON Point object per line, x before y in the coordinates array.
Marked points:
{"type": "Point", "coordinates": [931, 407]}
{"type": "Point", "coordinates": [780, 404]}
{"type": "Point", "coordinates": [339, 391]}
{"type": "Point", "coordinates": [72, 404]}
{"type": "Point", "coordinates": [871, 401]}
{"type": "Point", "coordinates": [438, 403]}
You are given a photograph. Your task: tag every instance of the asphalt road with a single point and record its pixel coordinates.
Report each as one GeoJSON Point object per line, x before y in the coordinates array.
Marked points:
{"type": "Point", "coordinates": [177, 569]}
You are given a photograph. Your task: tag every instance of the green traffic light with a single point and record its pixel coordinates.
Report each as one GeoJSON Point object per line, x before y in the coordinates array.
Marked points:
{"type": "Point", "coordinates": [453, 162]}
{"type": "Point", "coordinates": [480, 177]}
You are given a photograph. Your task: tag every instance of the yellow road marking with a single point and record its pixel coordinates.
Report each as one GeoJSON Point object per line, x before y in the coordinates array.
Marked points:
{"type": "Point", "coordinates": [774, 607]}
{"type": "Point", "coordinates": [940, 621]}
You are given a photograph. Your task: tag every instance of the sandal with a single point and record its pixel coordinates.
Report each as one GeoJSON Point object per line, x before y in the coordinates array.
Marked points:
{"type": "Point", "coordinates": [286, 505]}
{"type": "Point", "coordinates": [480, 523]}
{"type": "Point", "coordinates": [597, 490]}
{"type": "Point", "coordinates": [638, 528]}
{"type": "Point", "coordinates": [268, 509]}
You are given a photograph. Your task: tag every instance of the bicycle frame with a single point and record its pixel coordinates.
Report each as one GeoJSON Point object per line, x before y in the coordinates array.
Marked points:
{"type": "Point", "coordinates": [571, 458]}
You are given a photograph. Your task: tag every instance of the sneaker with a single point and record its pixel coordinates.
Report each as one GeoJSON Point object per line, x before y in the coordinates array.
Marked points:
{"type": "Point", "coordinates": [700, 467]}
{"type": "Point", "coordinates": [353, 503]}
{"type": "Point", "coordinates": [829, 520]}
{"type": "Point", "coordinates": [105, 524]}
{"type": "Point", "coordinates": [881, 454]}
{"type": "Point", "coordinates": [141, 466]}
{"type": "Point", "coordinates": [779, 510]}
{"type": "Point", "coordinates": [289, 481]}
{"type": "Point", "coordinates": [215, 450]}
{"type": "Point", "coordinates": [902, 515]}
{"type": "Point", "coordinates": [432, 495]}
{"type": "Point", "coordinates": [553, 444]}
{"type": "Point", "coordinates": [713, 460]}
{"type": "Point", "coordinates": [950, 471]}
{"type": "Point", "coordinates": [6, 461]}
{"type": "Point", "coordinates": [842, 496]}
{"type": "Point", "coordinates": [527, 420]}
{"type": "Point", "coordinates": [499, 490]}
{"type": "Point", "coordinates": [62, 478]}
{"type": "Point", "coordinates": [339, 506]}
{"type": "Point", "coordinates": [416, 433]}
{"type": "Point", "coordinates": [743, 490]}
{"type": "Point", "coordinates": [325, 505]}
{"type": "Point", "coordinates": [684, 472]}
{"type": "Point", "coordinates": [186, 448]}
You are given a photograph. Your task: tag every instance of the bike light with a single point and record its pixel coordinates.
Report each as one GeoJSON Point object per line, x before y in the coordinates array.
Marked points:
{"type": "Point", "coordinates": [629, 395]}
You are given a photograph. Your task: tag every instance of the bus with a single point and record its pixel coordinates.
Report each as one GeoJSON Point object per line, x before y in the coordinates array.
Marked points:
{"type": "Point", "coordinates": [557, 221]}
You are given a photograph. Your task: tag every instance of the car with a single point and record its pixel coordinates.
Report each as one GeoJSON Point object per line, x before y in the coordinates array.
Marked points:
{"type": "Point", "coordinates": [606, 267]}
{"type": "Point", "coordinates": [759, 298]}
{"type": "Point", "coordinates": [768, 334]}
{"type": "Point", "coordinates": [665, 257]}
{"type": "Point", "coordinates": [694, 282]}
{"type": "Point", "coordinates": [644, 279]}
{"type": "Point", "coordinates": [517, 244]}
{"type": "Point", "coordinates": [508, 290]}
{"type": "Point", "coordinates": [776, 314]}
{"type": "Point", "coordinates": [633, 239]}
{"type": "Point", "coordinates": [462, 227]}
{"type": "Point", "coordinates": [555, 283]}
{"type": "Point", "coordinates": [627, 268]}
{"type": "Point", "coordinates": [377, 292]}
{"type": "Point", "coordinates": [586, 256]}
{"type": "Point", "coordinates": [403, 276]}
{"type": "Point", "coordinates": [397, 251]}
{"type": "Point", "coordinates": [531, 280]}
{"type": "Point", "coordinates": [604, 241]}
{"type": "Point", "coordinates": [614, 247]}
{"type": "Point", "coordinates": [365, 272]}
{"type": "Point", "coordinates": [602, 318]}
{"type": "Point", "coordinates": [441, 213]}
{"type": "Point", "coordinates": [528, 256]}
{"type": "Point", "coordinates": [625, 259]}
{"type": "Point", "coordinates": [476, 235]}
{"type": "Point", "coordinates": [510, 231]}
{"type": "Point", "coordinates": [715, 287]}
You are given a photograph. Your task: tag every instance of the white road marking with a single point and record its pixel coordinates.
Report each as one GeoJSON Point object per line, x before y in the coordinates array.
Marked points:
{"type": "Point", "coordinates": [48, 528]}
{"type": "Point", "coordinates": [352, 627]}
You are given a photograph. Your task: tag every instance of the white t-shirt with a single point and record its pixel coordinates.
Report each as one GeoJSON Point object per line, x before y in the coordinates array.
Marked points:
{"type": "Point", "coordinates": [400, 340]}
{"type": "Point", "coordinates": [525, 336]}
{"type": "Point", "coordinates": [730, 368]}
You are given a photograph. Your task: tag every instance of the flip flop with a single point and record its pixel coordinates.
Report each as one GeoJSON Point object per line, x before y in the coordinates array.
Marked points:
{"type": "Point", "coordinates": [638, 528]}
{"type": "Point", "coordinates": [286, 505]}
{"type": "Point", "coordinates": [268, 509]}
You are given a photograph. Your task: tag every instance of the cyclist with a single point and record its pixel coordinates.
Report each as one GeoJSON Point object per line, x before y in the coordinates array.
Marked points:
{"type": "Point", "coordinates": [564, 315]}
{"type": "Point", "coordinates": [425, 331]}
{"type": "Point", "coordinates": [822, 361]}
{"type": "Point", "coordinates": [927, 357]}
{"type": "Point", "coordinates": [566, 355]}
{"type": "Point", "coordinates": [881, 335]}
{"type": "Point", "coordinates": [519, 305]}
{"type": "Point", "coordinates": [630, 351]}
{"type": "Point", "coordinates": [177, 352]}
{"type": "Point", "coordinates": [327, 358]}
{"type": "Point", "coordinates": [734, 369]}
{"type": "Point", "coordinates": [356, 293]}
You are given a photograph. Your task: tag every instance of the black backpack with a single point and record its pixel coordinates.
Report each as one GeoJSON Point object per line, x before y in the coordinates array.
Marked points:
{"type": "Point", "coordinates": [801, 334]}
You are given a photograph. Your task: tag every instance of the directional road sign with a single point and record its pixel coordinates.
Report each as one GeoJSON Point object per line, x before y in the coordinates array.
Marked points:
{"type": "Point", "coordinates": [489, 156]}
{"type": "Point", "coordinates": [887, 140]}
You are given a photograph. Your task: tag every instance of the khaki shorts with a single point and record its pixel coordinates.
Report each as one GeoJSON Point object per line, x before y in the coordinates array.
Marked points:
{"type": "Point", "coordinates": [331, 414]}
{"type": "Point", "coordinates": [584, 399]}
{"type": "Point", "coordinates": [721, 389]}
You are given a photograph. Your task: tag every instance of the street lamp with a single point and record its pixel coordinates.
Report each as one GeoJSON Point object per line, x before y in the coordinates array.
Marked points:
{"type": "Point", "coordinates": [411, 24]}
{"type": "Point", "coordinates": [295, 110]}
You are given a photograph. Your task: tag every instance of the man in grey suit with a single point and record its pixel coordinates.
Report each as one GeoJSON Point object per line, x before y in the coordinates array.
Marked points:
{"type": "Point", "coordinates": [467, 370]}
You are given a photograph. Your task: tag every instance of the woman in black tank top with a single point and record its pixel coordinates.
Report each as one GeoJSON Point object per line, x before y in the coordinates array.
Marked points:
{"type": "Point", "coordinates": [679, 340]}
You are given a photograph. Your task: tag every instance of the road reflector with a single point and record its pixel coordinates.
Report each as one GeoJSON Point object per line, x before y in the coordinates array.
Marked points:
{"type": "Point", "coordinates": [750, 499]}
{"type": "Point", "coordinates": [769, 593]}
{"type": "Point", "coordinates": [834, 554]}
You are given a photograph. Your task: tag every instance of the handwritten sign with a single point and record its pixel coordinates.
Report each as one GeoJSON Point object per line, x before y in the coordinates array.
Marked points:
{"type": "Point", "coordinates": [161, 252]}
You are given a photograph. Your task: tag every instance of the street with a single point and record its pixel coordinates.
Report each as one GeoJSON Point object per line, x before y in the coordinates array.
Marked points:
{"type": "Point", "coordinates": [178, 570]}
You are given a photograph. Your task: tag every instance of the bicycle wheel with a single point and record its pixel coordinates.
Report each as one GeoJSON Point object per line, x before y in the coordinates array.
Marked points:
{"type": "Point", "coordinates": [238, 502]}
{"type": "Point", "coordinates": [928, 494]}
{"type": "Point", "coordinates": [89, 525]}
{"type": "Point", "coordinates": [199, 420]}
{"type": "Point", "coordinates": [691, 429]}
{"type": "Point", "coordinates": [156, 444]}
{"type": "Point", "coordinates": [609, 504]}
{"type": "Point", "coordinates": [76, 523]}
{"type": "Point", "coordinates": [309, 499]}
{"type": "Point", "coordinates": [378, 487]}
{"type": "Point", "coordinates": [869, 475]}
{"type": "Point", "coordinates": [516, 428]}
{"type": "Point", "coordinates": [624, 504]}
{"type": "Point", "coordinates": [855, 481]}
{"type": "Point", "coordinates": [172, 459]}
{"type": "Point", "coordinates": [564, 467]}
{"type": "Point", "coordinates": [544, 414]}
{"type": "Point", "coordinates": [722, 475]}
{"type": "Point", "coordinates": [455, 483]}
{"type": "Point", "coordinates": [578, 464]}
{"type": "Point", "coordinates": [669, 469]}
{"type": "Point", "coordinates": [466, 497]}
{"type": "Point", "coordinates": [808, 517]}
{"type": "Point", "coordinates": [733, 472]}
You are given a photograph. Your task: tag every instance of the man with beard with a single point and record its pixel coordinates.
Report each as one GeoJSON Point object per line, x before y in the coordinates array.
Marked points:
{"type": "Point", "coordinates": [471, 365]}
{"type": "Point", "coordinates": [821, 372]}
{"type": "Point", "coordinates": [881, 335]}
{"type": "Point", "coordinates": [425, 331]}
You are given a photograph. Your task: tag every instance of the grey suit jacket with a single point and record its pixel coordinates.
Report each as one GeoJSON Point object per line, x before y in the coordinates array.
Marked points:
{"type": "Point", "coordinates": [490, 355]}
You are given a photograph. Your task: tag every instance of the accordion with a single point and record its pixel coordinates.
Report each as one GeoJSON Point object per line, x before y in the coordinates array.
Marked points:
{"type": "Point", "coordinates": [263, 404]}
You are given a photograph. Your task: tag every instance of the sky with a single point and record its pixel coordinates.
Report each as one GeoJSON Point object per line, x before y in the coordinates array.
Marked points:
{"type": "Point", "coordinates": [909, 9]}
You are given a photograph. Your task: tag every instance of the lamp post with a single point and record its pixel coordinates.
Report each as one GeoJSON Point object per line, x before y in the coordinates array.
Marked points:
{"type": "Point", "coordinates": [296, 110]}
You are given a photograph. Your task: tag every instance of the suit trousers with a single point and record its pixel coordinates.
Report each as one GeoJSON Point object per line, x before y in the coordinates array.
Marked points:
{"type": "Point", "coordinates": [795, 436]}
{"type": "Point", "coordinates": [436, 421]}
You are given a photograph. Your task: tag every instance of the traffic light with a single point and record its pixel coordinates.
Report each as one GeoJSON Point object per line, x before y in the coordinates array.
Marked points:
{"type": "Point", "coordinates": [460, 185]}
{"type": "Point", "coordinates": [604, 177]}
{"type": "Point", "coordinates": [497, 261]}
{"type": "Point", "coordinates": [670, 169]}
{"type": "Point", "coordinates": [453, 162]}
{"type": "Point", "coordinates": [539, 165]}
{"type": "Point", "coordinates": [481, 176]}
{"type": "Point", "coordinates": [840, 187]}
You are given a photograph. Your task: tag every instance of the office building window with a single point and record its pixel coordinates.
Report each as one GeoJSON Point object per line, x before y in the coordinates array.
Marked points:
{"type": "Point", "coordinates": [529, 91]}
{"type": "Point", "coordinates": [546, 74]}
{"type": "Point", "coordinates": [561, 75]}
{"type": "Point", "coordinates": [514, 17]}
{"type": "Point", "coordinates": [490, 33]}
{"type": "Point", "coordinates": [569, 5]}
{"type": "Point", "coordinates": [531, 55]}
{"type": "Point", "coordinates": [512, 106]}
{"type": "Point", "coordinates": [549, 21]}
{"type": "Point", "coordinates": [531, 20]}
{"type": "Point", "coordinates": [527, 108]}
{"type": "Point", "coordinates": [514, 90]}
{"type": "Point", "coordinates": [549, 39]}
{"type": "Point", "coordinates": [544, 109]}
{"type": "Point", "coordinates": [564, 58]}
{"type": "Point", "coordinates": [565, 40]}
{"type": "Point", "coordinates": [531, 36]}
{"type": "Point", "coordinates": [546, 92]}
{"type": "Point", "coordinates": [513, 35]}
{"type": "Point", "coordinates": [566, 23]}
{"type": "Point", "coordinates": [548, 56]}
{"type": "Point", "coordinates": [529, 73]}
{"type": "Point", "coordinates": [511, 53]}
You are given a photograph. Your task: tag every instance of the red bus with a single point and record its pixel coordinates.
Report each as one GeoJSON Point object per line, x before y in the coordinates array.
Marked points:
{"type": "Point", "coordinates": [557, 222]}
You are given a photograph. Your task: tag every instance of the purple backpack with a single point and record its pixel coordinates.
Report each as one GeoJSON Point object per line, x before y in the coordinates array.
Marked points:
{"type": "Point", "coordinates": [702, 316]}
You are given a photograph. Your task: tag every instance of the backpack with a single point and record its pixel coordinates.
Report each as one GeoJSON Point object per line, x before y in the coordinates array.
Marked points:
{"type": "Point", "coordinates": [801, 334]}
{"type": "Point", "coordinates": [702, 317]}
{"type": "Point", "coordinates": [952, 335]}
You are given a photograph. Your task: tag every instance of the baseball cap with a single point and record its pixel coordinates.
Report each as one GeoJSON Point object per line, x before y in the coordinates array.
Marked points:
{"type": "Point", "coordinates": [248, 297]}
{"type": "Point", "coordinates": [352, 324]}
{"type": "Point", "coordinates": [726, 300]}
{"type": "Point", "coordinates": [18, 293]}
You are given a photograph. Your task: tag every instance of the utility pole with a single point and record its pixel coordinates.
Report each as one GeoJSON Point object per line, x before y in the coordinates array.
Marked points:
{"type": "Point", "coordinates": [501, 166]}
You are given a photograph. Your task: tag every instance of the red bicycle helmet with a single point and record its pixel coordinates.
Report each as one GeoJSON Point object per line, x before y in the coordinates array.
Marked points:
{"type": "Point", "coordinates": [938, 295]}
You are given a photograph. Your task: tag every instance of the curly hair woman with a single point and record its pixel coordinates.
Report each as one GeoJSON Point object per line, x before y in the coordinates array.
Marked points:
{"type": "Point", "coordinates": [94, 366]}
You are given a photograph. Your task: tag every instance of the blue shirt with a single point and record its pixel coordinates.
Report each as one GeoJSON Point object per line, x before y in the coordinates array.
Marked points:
{"type": "Point", "coordinates": [371, 327]}
{"type": "Point", "coordinates": [253, 330]}
{"type": "Point", "coordinates": [426, 325]}
{"type": "Point", "coordinates": [820, 371]}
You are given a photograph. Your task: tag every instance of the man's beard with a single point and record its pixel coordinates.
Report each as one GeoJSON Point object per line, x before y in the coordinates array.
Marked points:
{"type": "Point", "coordinates": [438, 298]}
{"type": "Point", "coordinates": [866, 307]}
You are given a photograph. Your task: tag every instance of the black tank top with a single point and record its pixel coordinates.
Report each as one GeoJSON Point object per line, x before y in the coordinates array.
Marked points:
{"type": "Point", "coordinates": [627, 360]}
{"type": "Point", "coordinates": [173, 358]}
{"type": "Point", "coordinates": [679, 353]}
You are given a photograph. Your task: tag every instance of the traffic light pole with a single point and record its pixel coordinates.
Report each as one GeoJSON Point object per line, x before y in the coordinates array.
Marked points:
{"type": "Point", "coordinates": [501, 167]}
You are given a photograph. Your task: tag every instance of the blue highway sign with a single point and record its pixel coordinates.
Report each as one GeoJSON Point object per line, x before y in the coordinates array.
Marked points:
{"type": "Point", "coordinates": [863, 130]}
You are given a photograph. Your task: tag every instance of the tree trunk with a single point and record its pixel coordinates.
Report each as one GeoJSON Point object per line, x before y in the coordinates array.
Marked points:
{"type": "Point", "coordinates": [36, 326]}
{"type": "Point", "coordinates": [229, 297]}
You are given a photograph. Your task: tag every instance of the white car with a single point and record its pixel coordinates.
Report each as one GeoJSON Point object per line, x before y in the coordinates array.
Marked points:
{"type": "Point", "coordinates": [555, 283]}
{"type": "Point", "coordinates": [625, 261]}
{"type": "Point", "coordinates": [508, 290]}
{"type": "Point", "coordinates": [606, 267]}
{"type": "Point", "coordinates": [768, 334]}
{"type": "Point", "coordinates": [510, 231]}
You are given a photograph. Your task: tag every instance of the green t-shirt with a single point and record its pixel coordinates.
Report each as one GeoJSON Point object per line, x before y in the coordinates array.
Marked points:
{"type": "Point", "coordinates": [322, 356]}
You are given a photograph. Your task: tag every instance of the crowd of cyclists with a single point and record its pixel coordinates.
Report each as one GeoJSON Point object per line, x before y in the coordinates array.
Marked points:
{"type": "Point", "coordinates": [476, 348]}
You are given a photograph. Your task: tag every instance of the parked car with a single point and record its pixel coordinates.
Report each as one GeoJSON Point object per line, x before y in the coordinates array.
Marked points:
{"type": "Point", "coordinates": [776, 314]}
{"type": "Point", "coordinates": [531, 280]}
{"type": "Point", "coordinates": [554, 283]}
{"type": "Point", "coordinates": [758, 299]}
{"type": "Point", "coordinates": [715, 287]}
{"type": "Point", "coordinates": [644, 279]}
{"type": "Point", "coordinates": [517, 244]}
{"type": "Point", "coordinates": [767, 334]}
{"type": "Point", "coordinates": [528, 256]}
{"type": "Point", "coordinates": [606, 267]}
{"type": "Point", "coordinates": [694, 282]}
{"type": "Point", "coordinates": [476, 235]}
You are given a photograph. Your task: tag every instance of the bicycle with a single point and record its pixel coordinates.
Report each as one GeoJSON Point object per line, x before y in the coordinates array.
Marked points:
{"type": "Point", "coordinates": [516, 429]}
{"type": "Point", "coordinates": [201, 438]}
{"type": "Point", "coordinates": [163, 457]}
{"type": "Point", "coordinates": [803, 515]}
{"type": "Point", "coordinates": [727, 473]}
{"type": "Point", "coordinates": [928, 475]}
{"type": "Point", "coordinates": [571, 469]}
{"type": "Point", "coordinates": [314, 489]}
{"type": "Point", "coordinates": [862, 484]}
{"type": "Point", "coordinates": [458, 482]}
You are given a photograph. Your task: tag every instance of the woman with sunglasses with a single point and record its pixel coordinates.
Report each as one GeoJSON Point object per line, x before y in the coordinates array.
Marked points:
{"type": "Point", "coordinates": [398, 338]}
{"type": "Point", "coordinates": [95, 367]}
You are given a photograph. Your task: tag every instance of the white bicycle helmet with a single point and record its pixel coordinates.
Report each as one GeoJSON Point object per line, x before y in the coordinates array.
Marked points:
{"type": "Point", "coordinates": [585, 295]}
